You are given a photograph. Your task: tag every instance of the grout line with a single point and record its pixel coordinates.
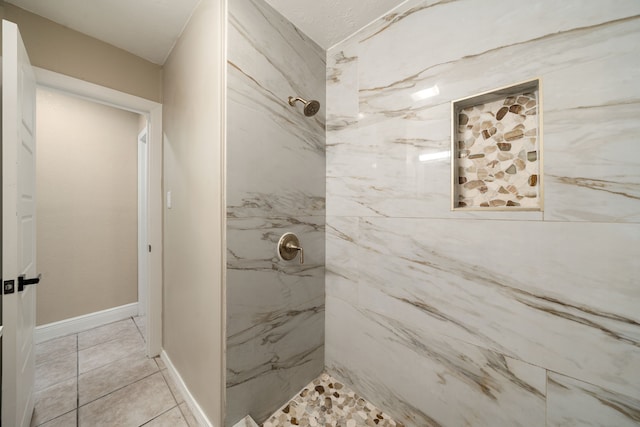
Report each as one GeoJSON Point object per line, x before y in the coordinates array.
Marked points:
{"type": "Point", "coordinates": [159, 415]}
{"type": "Point", "coordinates": [166, 381]}
{"type": "Point", "coordinates": [142, 349]}
{"type": "Point", "coordinates": [155, 360]}
{"type": "Point", "coordinates": [78, 406]}
{"type": "Point", "coordinates": [138, 327]}
{"type": "Point", "coordinates": [120, 388]}
{"type": "Point", "coordinates": [184, 415]}
{"type": "Point", "coordinates": [52, 419]}
{"type": "Point", "coordinates": [113, 361]}
{"type": "Point", "coordinates": [39, 390]}
{"type": "Point", "coordinates": [157, 370]}
{"type": "Point", "coordinates": [119, 337]}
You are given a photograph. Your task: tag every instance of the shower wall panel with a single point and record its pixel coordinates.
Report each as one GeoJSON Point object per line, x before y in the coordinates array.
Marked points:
{"type": "Point", "coordinates": [275, 184]}
{"type": "Point", "coordinates": [449, 318]}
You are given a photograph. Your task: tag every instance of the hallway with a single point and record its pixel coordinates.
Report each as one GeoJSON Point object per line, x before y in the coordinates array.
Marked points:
{"type": "Point", "coordinates": [101, 377]}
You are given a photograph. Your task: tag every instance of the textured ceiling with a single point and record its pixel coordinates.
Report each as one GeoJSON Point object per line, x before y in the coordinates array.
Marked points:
{"type": "Point", "coordinates": [329, 21]}
{"type": "Point", "coordinates": [146, 28]}
{"type": "Point", "coordinates": [149, 28]}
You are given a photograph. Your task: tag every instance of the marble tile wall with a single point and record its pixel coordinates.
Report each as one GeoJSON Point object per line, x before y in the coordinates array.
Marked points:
{"type": "Point", "coordinates": [449, 318]}
{"type": "Point", "coordinates": [275, 184]}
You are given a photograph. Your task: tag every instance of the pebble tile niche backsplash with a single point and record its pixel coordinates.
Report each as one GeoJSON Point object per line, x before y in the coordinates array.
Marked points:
{"type": "Point", "coordinates": [327, 402]}
{"type": "Point", "coordinates": [497, 153]}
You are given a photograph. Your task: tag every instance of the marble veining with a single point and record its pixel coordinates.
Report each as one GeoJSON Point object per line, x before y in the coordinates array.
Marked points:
{"type": "Point", "coordinates": [397, 16]}
{"type": "Point", "coordinates": [580, 138]}
{"type": "Point", "coordinates": [512, 30]}
{"type": "Point", "coordinates": [440, 381]}
{"type": "Point", "coordinates": [430, 311]}
{"type": "Point", "coordinates": [271, 144]}
{"type": "Point", "coordinates": [579, 330]}
{"type": "Point", "coordinates": [275, 184]}
{"type": "Point", "coordinates": [427, 192]}
{"type": "Point", "coordinates": [576, 403]}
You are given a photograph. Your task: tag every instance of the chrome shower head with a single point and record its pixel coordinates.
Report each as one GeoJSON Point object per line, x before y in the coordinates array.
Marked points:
{"type": "Point", "coordinates": [311, 107]}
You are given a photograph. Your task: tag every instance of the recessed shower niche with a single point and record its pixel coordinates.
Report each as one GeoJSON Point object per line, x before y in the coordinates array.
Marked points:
{"type": "Point", "coordinates": [497, 150]}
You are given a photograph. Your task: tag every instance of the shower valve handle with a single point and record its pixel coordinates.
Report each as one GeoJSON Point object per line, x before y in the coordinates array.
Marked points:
{"type": "Point", "coordinates": [292, 246]}
{"type": "Point", "coordinates": [289, 246]}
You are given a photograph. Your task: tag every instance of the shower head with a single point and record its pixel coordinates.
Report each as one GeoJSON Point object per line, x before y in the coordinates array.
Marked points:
{"type": "Point", "coordinates": [310, 107]}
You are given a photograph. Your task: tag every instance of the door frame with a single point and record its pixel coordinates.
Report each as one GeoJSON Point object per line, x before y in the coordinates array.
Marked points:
{"type": "Point", "coordinates": [143, 215]}
{"type": "Point", "coordinates": [152, 111]}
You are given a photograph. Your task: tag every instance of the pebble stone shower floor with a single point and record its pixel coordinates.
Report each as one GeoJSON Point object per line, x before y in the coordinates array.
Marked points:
{"type": "Point", "coordinates": [325, 402]}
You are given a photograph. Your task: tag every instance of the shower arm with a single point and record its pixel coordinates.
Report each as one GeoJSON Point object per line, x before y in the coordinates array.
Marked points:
{"type": "Point", "coordinates": [292, 101]}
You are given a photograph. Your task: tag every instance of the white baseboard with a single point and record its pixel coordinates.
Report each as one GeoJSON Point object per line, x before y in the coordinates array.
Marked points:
{"type": "Point", "coordinates": [82, 323]}
{"type": "Point", "coordinates": [191, 402]}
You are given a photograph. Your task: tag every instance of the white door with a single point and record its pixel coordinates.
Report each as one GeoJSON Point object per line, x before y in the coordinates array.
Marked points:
{"type": "Point", "coordinates": [18, 229]}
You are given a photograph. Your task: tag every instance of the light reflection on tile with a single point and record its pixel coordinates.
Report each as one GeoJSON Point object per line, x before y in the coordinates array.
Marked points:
{"type": "Point", "coordinates": [134, 404]}
{"type": "Point", "coordinates": [554, 289]}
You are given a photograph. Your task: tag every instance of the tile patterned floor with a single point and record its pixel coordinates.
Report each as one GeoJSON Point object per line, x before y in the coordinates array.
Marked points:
{"type": "Point", "coordinates": [102, 377]}
{"type": "Point", "coordinates": [326, 402]}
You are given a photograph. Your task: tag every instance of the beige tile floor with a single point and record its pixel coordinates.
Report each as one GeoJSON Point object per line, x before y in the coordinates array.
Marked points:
{"type": "Point", "coordinates": [102, 377]}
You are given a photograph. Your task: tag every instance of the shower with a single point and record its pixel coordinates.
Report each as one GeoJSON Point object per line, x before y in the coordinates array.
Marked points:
{"type": "Point", "coordinates": [310, 107]}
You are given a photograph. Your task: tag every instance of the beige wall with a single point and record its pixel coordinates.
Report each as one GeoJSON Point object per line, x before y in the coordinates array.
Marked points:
{"type": "Point", "coordinates": [86, 206]}
{"type": "Point", "coordinates": [60, 49]}
{"type": "Point", "coordinates": [192, 121]}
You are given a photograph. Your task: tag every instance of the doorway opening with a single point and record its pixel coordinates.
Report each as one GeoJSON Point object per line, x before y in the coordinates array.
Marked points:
{"type": "Point", "coordinates": [145, 152]}
{"type": "Point", "coordinates": [91, 212]}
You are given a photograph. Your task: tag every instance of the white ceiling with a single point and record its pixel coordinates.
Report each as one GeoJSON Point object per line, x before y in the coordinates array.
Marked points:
{"type": "Point", "coordinates": [328, 22]}
{"type": "Point", "coordinates": [146, 28]}
{"type": "Point", "coordinates": [149, 28]}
